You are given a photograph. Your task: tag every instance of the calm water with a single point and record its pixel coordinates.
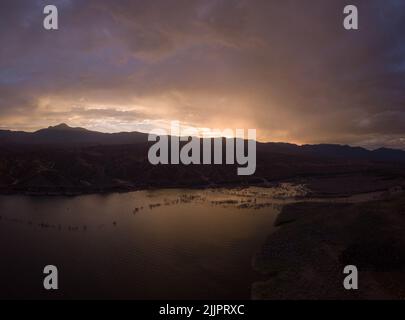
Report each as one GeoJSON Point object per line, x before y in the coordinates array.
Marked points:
{"type": "Point", "coordinates": [164, 244]}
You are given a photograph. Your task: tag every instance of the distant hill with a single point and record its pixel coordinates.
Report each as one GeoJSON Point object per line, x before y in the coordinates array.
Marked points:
{"type": "Point", "coordinates": [65, 160]}
{"type": "Point", "coordinates": [336, 151]}
{"type": "Point", "coordinates": [64, 135]}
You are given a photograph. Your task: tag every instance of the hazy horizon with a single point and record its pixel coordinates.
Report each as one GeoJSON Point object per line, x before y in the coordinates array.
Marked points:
{"type": "Point", "coordinates": [145, 132]}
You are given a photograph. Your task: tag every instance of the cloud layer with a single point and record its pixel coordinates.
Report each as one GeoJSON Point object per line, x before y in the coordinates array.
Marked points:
{"type": "Point", "coordinates": [287, 68]}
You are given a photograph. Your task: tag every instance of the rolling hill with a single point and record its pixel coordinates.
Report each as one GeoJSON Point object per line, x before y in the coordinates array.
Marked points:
{"type": "Point", "coordinates": [67, 160]}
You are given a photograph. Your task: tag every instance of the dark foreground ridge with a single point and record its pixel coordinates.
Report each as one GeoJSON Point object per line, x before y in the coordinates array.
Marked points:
{"type": "Point", "coordinates": [306, 256]}
{"type": "Point", "coordinates": [66, 160]}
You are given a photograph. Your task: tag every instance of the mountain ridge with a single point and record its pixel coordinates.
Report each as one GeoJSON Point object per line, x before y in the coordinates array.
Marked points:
{"type": "Point", "coordinates": [65, 135]}
{"type": "Point", "coordinates": [68, 161]}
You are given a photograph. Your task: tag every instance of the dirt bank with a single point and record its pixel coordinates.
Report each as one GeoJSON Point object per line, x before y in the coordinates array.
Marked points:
{"type": "Point", "coordinates": [305, 257]}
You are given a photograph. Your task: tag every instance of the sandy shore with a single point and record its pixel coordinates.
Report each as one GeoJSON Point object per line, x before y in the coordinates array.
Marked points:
{"type": "Point", "coordinates": [305, 257]}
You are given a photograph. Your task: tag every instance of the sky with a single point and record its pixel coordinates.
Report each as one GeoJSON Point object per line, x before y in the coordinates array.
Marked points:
{"type": "Point", "coordinates": [285, 68]}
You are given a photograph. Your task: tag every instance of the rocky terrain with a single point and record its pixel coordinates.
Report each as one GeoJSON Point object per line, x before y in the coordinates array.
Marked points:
{"type": "Point", "coordinates": [305, 257]}
{"type": "Point", "coordinates": [65, 160]}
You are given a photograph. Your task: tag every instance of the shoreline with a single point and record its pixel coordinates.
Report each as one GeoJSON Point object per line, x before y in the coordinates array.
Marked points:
{"type": "Point", "coordinates": [114, 190]}
{"type": "Point", "coordinates": [127, 189]}
{"type": "Point", "coordinates": [336, 186]}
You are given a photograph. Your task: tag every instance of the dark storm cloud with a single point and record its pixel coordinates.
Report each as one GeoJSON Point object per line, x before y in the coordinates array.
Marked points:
{"type": "Point", "coordinates": [287, 68]}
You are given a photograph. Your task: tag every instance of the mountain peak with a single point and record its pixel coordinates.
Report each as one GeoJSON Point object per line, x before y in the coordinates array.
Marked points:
{"type": "Point", "coordinates": [60, 126]}
{"type": "Point", "coordinates": [64, 126]}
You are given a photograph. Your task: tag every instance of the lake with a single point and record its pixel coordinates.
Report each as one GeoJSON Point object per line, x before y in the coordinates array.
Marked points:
{"type": "Point", "coordinates": [160, 244]}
